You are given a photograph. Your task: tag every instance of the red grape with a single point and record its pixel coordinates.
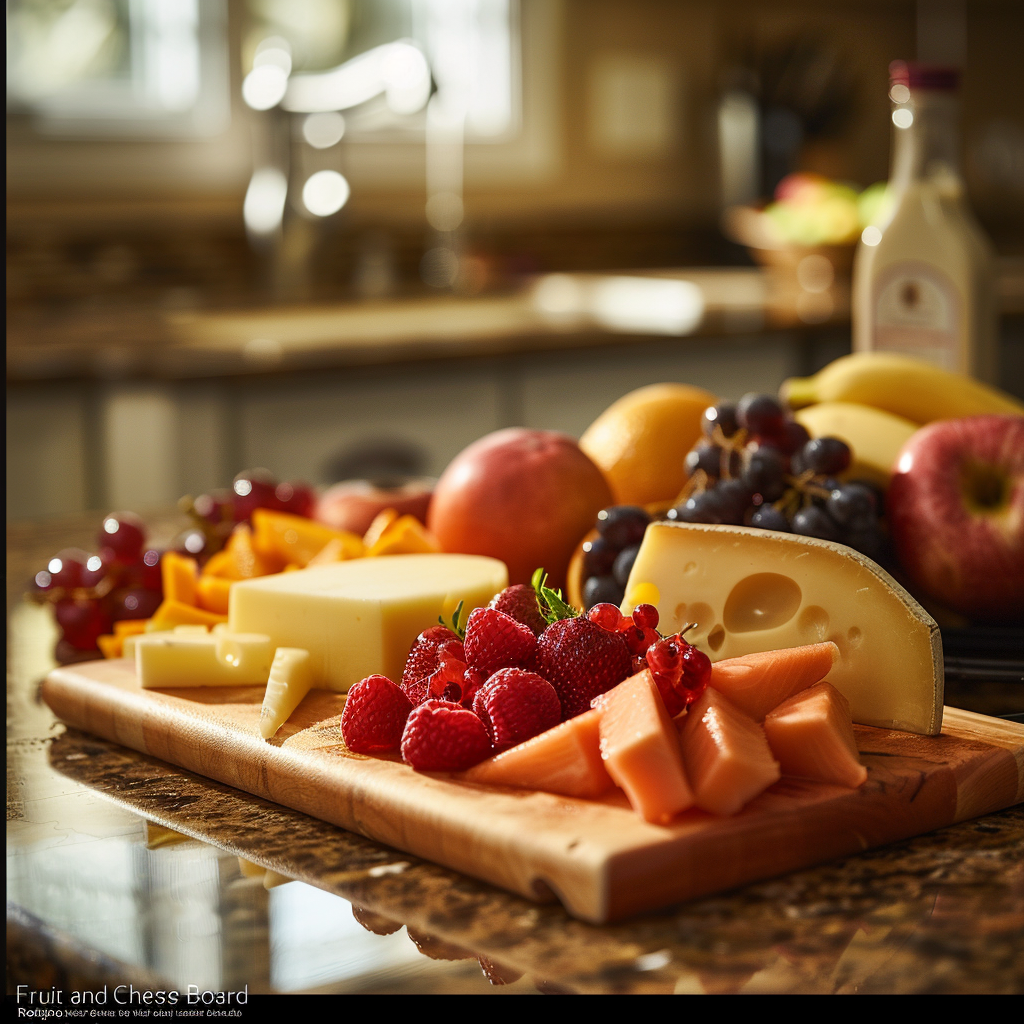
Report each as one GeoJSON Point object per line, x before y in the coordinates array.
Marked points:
{"type": "Point", "coordinates": [81, 622]}
{"type": "Point", "coordinates": [132, 603]}
{"type": "Point", "coordinates": [66, 568]}
{"type": "Point", "coordinates": [296, 498]}
{"type": "Point", "coordinates": [253, 488]}
{"type": "Point", "coordinates": [123, 533]}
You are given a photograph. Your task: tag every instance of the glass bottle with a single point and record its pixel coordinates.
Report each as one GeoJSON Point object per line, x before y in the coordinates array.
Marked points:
{"type": "Point", "coordinates": [923, 275]}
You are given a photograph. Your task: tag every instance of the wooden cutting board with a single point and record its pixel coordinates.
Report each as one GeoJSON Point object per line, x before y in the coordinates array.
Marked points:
{"type": "Point", "coordinates": [598, 857]}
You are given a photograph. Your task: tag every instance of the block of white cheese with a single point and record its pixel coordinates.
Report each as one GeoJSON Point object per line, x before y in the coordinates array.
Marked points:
{"type": "Point", "coordinates": [291, 678]}
{"type": "Point", "coordinates": [753, 590]}
{"type": "Point", "coordinates": [172, 659]}
{"type": "Point", "coordinates": [360, 617]}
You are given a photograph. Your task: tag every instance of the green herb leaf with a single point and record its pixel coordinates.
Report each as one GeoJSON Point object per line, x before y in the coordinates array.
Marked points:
{"type": "Point", "coordinates": [550, 602]}
{"type": "Point", "coordinates": [459, 631]}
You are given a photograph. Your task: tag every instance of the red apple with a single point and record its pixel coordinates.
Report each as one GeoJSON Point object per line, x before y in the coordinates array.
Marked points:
{"type": "Point", "coordinates": [353, 504]}
{"type": "Point", "coordinates": [956, 514]}
{"type": "Point", "coordinates": [524, 496]}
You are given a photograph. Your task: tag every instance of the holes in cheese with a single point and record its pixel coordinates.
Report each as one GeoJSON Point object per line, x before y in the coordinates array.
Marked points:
{"type": "Point", "coordinates": [788, 591]}
{"type": "Point", "coordinates": [291, 678]}
{"type": "Point", "coordinates": [360, 617]}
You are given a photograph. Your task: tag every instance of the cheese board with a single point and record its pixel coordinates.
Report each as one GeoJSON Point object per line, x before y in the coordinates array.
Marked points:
{"type": "Point", "coordinates": [598, 857]}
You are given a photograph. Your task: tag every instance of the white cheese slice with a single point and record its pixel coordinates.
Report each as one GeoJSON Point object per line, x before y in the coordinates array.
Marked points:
{"type": "Point", "coordinates": [291, 678]}
{"type": "Point", "coordinates": [171, 659]}
{"type": "Point", "coordinates": [753, 590]}
{"type": "Point", "coordinates": [360, 617]}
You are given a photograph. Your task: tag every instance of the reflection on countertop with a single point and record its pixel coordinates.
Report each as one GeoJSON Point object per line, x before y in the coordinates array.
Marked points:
{"type": "Point", "coordinates": [122, 866]}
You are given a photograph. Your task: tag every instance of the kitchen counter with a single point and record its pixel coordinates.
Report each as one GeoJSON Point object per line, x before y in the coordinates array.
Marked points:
{"type": "Point", "coordinates": [123, 869]}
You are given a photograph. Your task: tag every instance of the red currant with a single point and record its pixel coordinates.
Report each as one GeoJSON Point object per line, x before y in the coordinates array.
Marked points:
{"type": "Point", "coordinates": [607, 616]}
{"type": "Point", "coordinates": [646, 616]}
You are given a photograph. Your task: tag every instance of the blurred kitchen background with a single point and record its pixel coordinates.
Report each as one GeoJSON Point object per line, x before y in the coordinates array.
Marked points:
{"type": "Point", "coordinates": [348, 237]}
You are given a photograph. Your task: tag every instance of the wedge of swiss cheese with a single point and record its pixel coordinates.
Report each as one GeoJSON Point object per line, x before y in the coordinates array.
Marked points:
{"type": "Point", "coordinates": [753, 590]}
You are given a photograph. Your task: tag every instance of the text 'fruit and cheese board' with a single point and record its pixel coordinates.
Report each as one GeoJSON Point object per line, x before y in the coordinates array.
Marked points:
{"type": "Point", "coordinates": [598, 857]}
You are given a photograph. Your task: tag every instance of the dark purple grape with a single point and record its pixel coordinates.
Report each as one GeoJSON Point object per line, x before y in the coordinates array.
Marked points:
{"type": "Point", "coordinates": [601, 590]}
{"type": "Point", "coordinates": [853, 507]}
{"type": "Point", "coordinates": [733, 497]}
{"type": "Point", "coordinates": [761, 414]}
{"type": "Point", "coordinates": [122, 534]}
{"type": "Point", "coordinates": [815, 522]}
{"type": "Point", "coordinates": [708, 457]}
{"type": "Point", "coordinates": [598, 557]}
{"type": "Point", "coordinates": [722, 415]}
{"type": "Point", "coordinates": [870, 542]}
{"type": "Point", "coordinates": [622, 525]}
{"type": "Point", "coordinates": [768, 517]}
{"type": "Point", "coordinates": [624, 564]}
{"type": "Point", "coordinates": [699, 508]}
{"type": "Point", "coordinates": [824, 456]}
{"type": "Point", "coordinates": [765, 473]}
{"type": "Point", "coordinates": [794, 436]}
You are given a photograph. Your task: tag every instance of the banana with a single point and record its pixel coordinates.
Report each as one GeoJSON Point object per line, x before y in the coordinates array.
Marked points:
{"type": "Point", "coordinates": [875, 437]}
{"type": "Point", "coordinates": [907, 387]}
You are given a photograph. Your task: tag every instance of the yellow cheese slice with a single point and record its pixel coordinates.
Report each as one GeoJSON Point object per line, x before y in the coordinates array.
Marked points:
{"type": "Point", "coordinates": [290, 680]}
{"type": "Point", "coordinates": [361, 616]}
{"type": "Point", "coordinates": [172, 659]}
{"type": "Point", "coordinates": [753, 590]}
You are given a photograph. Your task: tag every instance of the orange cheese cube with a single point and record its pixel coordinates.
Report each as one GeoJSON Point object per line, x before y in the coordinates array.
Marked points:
{"type": "Point", "coordinates": [174, 613]}
{"type": "Point", "coordinates": [405, 536]}
{"type": "Point", "coordinates": [282, 537]}
{"type": "Point", "coordinates": [380, 523]}
{"type": "Point", "coordinates": [564, 760]}
{"type": "Point", "coordinates": [129, 627]}
{"type": "Point", "coordinates": [110, 645]}
{"type": "Point", "coordinates": [811, 734]}
{"type": "Point", "coordinates": [640, 747]}
{"type": "Point", "coordinates": [756, 683]}
{"type": "Point", "coordinates": [178, 574]}
{"type": "Point", "coordinates": [727, 757]}
{"type": "Point", "coordinates": [212, 593]}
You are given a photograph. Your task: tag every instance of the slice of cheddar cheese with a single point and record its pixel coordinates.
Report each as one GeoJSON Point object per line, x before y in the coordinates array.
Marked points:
{"type": "Point", "coordinates": [753, 590]}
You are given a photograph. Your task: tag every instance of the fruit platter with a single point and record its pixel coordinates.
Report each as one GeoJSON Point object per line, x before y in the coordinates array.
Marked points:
{"type": "Point", "coordinates": [560, 679]}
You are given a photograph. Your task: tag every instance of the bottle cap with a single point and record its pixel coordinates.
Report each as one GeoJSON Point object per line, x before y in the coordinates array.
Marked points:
{"type": "Point", "coordinates": [939, 77]}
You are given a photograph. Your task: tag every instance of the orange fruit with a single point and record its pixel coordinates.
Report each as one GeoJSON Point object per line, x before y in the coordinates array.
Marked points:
{"type": "Point", "coordinates": [640, 442]}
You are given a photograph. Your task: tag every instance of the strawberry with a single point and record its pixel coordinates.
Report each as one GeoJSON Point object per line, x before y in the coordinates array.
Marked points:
{"type": "Point", "coordinates": [516, 705]}
{"type": "Point", "coordinates": [442, 736]}
{"type": "Point", "coordinates": [581, 660]}
{"type": "Point", "coordinates": [495, 640]}
{"type": "Point", "coordinates": [520, 602]}
{"type": "Point", "coordinates": [375, 713]}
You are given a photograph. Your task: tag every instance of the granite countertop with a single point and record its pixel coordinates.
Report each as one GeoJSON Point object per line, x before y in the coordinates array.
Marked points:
{"type": "Point", "coordinates": [125, 869]}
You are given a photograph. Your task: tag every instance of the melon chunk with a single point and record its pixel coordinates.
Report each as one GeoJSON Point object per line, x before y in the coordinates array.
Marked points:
{"type": "Point", "coordinates": [811, 734]}
{"type": "Point", "coordinates": [640, 747]}
{"type": "Point", "coordinates": [756, 683]}
{"type": "Point", "coordinates": [564, 760]}
{"type": "Point", "coordinates": [726, 754]}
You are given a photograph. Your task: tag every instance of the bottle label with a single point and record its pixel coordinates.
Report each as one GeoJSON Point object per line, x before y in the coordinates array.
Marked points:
{"type": "Point", "coordinates": [917, 312]}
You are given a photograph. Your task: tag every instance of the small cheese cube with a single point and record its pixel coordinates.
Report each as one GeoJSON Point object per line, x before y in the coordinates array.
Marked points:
{"type": "Point", "coordinates": [172, 659]}
{"type": "Point", "coordinates": [290, 680]}
{"type": "Point", "coordinates": [361, 616]}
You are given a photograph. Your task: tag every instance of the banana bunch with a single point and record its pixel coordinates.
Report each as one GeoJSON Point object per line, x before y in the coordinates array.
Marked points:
{"type": "Point", "coordinates": [874, 401]}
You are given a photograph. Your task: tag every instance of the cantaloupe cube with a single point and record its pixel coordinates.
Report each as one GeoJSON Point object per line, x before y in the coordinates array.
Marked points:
{"type": "Point", "coordinates": [811, 734]}
{"type": "Point", "coordinates": [756, 683]}
{"type": "Point", "coordinates": [727, 757]}
{"type": "Point", "coordinates": [640, 747]}
{"type": "Point", "coordinates": [564, 760]}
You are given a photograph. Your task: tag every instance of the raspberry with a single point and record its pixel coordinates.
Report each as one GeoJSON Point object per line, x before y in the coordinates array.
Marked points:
{"type": "Point", "coordinates": [441, 736]}
{"type": "Point", "coordinates": [375, 713]}
{"type": "Point", "coordinates": [581, 660]}
{"type": "Point", "coordinates": [422, 659]}
{"type": "Point", "coordinates": [472, 681]}
{"type": "Point", "coordinates": [520, 602]}
{"type": "Point", "coordinates": [516, 705]}
{"type": "Point", "coordinates": [495, 640]}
